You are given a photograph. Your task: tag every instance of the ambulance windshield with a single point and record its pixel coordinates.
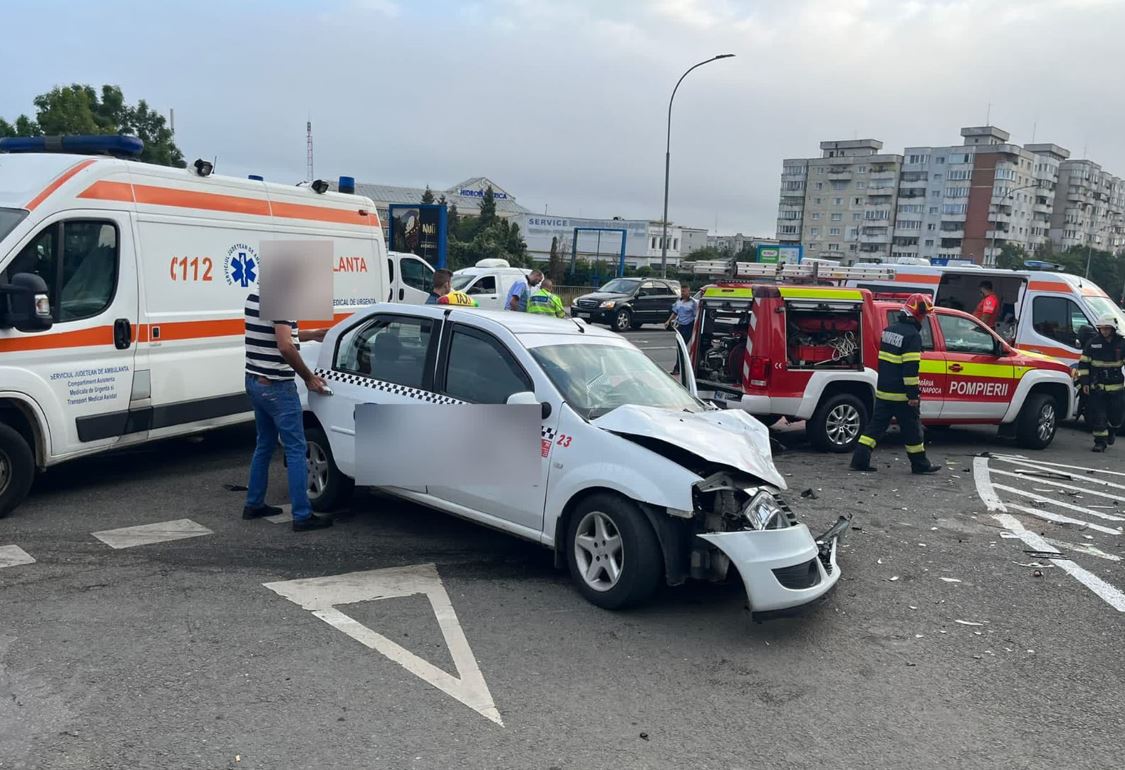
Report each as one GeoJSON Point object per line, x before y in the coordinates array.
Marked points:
{"type": "Point", "coordinates": [1100, 305]}
{"type": "Point", "coordinates": [9, 218]}
{"type": "Point", "coordinates": [596, 379]}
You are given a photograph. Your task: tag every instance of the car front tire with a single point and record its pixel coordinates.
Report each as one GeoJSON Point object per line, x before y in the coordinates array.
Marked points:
{"type": "Point", "coordinates": [622, 320]}
{"type": "Point", "coordinates": [613, 555]}
{"type": "Point", "coordinates": [1038, 421]}
{"type": "Point", "coordinates": [329, 488]}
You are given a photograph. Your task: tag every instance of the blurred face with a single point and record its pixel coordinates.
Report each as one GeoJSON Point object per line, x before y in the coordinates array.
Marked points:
{"type": "Point", "coordinates": [685, 293]}
{"type": "Point", "coordinates": [535, 278]}
{"type": "Point", "coordinates": [1107, 331]}
{"type": "Point", "coordinates": [983, 291]}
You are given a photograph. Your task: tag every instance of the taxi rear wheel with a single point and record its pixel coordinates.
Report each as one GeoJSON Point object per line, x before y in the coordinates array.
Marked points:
{"type": "Point", "coordinates": [328, 487]}
{"type": "Point", "coordinates": [1038, 421]}
{"type": "Point", "coordinates": [613, 555]}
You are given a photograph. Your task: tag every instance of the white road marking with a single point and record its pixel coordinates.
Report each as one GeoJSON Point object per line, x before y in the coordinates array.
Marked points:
{"type": "Point", "coordinates": [984, 485]}
{"type": "Point", "coordinates": [147, 534]}
{"type": "Point", "coordinates": [285, 516]}
{"type": "Point", "coordinates": [1060, 519]}
{"type": "Point", "coordinates": [323, 595]}
{"type": "Point", "coordinates": [1108, 593]}
{"type": "Point", "coordinates": [1089, 550]}
{"type": "Point", "coordinates": [14, 556]}
{"type": "Point", "coordinates": [1083, 468]}
{"type": "Point", "coordinates": [1051, 482]}
{"type": "Point", "coordinates": [1083, 478]}
{"type": "Point", "coordinates": [1059, 503]}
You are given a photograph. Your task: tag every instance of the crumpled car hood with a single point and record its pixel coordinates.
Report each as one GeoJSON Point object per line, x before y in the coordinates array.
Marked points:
{"type": "Point", "coordinates": [726, 436]}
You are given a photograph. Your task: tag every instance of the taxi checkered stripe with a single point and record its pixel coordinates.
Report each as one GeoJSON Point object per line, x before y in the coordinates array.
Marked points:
{"type": "Point", "coordinates": [387, 387]}
{"type": "Point", "coordinates": [547, 433]}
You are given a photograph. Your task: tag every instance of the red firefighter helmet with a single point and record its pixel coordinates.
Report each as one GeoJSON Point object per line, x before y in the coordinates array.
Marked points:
{"type": "Point", "coordinates": [918, 306]}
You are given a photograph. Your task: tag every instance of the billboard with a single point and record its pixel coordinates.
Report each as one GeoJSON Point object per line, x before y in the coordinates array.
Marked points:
{"type": "Point", "coordinates": [773, 253]}
{"type": "Point", "coordinates": [419, 228]}
{"type": "Point", "coordinates": [539, 229]}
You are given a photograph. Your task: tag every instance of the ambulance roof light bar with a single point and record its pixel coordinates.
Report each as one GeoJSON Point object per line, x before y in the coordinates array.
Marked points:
{"type": "Point", "coordinates": [114, 145]}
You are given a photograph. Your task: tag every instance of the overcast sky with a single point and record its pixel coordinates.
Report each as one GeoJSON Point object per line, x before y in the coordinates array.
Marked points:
{"type": "Point", "coordinates": [563, 102]}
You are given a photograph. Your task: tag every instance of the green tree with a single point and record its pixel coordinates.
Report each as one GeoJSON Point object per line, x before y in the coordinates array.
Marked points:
{"type": "Point", "coordinates": [707, 253]}
{"type": "Point", "coordinates": [554, 262]}
{"type": "Point", "coordinates": [487, 209]}
{"type": "Point", "coordinates": [1011, 256]}
{"type": "Point", "coordinates": [79, 109]}
{"type": "Point", "coordinates": [428, 195]}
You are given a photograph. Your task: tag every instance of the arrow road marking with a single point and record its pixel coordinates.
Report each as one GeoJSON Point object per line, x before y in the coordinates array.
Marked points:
{"type": "Point", "coordinates": [323, 595]}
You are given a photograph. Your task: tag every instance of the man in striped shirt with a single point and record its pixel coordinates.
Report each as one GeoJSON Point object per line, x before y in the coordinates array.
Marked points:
{"type": "Point", "coordinates": [272, 361]}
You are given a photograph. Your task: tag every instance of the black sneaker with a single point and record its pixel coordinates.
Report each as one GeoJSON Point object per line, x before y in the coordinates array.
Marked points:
{"type": "Point", "coordinates": [260, 511]}
{"type": "Point", "coordinates": [312, 522]}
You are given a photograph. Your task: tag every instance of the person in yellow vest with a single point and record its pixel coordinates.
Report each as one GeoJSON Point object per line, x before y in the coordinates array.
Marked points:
{"type": "Point", "coordinates": [546, 302]}
{"type": "Point", "coordinates": [447, 295]}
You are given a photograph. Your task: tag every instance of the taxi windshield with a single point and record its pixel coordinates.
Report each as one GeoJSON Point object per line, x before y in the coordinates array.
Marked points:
{"type": "Point", "coordinates": [596, 379]}
{"type": "Point", "coordinates": [9, 218]}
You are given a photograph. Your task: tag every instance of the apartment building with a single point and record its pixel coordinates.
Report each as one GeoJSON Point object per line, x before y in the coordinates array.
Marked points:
{"type": "Point", "coordinates": [840, 205]}
{"type": "Point", "coordinates": [963, 201]}
{"type": "Point", "coordinates": [1089, 207]}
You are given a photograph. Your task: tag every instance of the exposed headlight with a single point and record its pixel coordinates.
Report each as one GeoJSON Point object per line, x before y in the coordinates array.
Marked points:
{"type": "Point", "coordinates": [763, 512]}
{"type": "Point", "coordinates": [608, 304]}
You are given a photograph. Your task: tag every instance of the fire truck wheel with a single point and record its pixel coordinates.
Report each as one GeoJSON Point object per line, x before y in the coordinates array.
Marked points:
{"type": "Point", "coordinates": [837, 423]}
{"type": "Point", "coordinates": [1037, 421]}
{"type": "Point", "coordinates": [17, 469]}
{"type": "Point", "coordinates": [622, 320]}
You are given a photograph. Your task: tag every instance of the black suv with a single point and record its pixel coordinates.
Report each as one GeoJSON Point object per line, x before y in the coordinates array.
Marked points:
{"type": "Point", "coordinates": [627, 303]}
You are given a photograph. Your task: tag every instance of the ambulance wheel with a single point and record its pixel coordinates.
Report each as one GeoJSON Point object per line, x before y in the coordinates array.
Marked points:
{"type": "Point", "coordinates": [17, 469]}
{"type": "Point", "coordinates": [622, 320]}
{"type": "Point", "coordinates": [613, 554]}
{"type": "Point", "coordinates": [1037, 422]}
{"type": "Point", "coordinates": [328, 487]}
{"type": "Point", "coordinates": [838, 423]}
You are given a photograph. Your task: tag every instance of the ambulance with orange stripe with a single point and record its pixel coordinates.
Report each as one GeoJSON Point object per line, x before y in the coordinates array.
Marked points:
{"type": "Point", "coordinates": [122, 287]}
{"type": "Point", "coordinates": [811, 353]}
{"type": "Point", "coordinates": [1042, 312]}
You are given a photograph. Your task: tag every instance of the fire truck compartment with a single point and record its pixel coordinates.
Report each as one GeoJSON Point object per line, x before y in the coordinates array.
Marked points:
{"type": "Point", "coordinates": [722, 341]}
{"type": "Point", "coordinates": [823, 335]}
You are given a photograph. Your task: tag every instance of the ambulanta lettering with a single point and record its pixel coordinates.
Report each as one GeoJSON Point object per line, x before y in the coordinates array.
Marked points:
{"type": "Point", "coordinates": [990, 389]}
{"type": "Point", "coordinates": [350, 265]}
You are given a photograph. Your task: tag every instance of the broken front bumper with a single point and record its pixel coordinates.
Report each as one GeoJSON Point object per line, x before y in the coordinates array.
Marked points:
{"type": "Point", "coordinates": [782, 568]}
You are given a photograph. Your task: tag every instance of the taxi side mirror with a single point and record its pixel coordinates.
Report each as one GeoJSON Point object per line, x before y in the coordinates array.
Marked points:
{"type": "Point", "coordinates": [25, 304]}
{"type": "Point", "coordinates": [528, 398]}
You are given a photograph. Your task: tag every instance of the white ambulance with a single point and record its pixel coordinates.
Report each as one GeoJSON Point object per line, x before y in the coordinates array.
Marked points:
{"type": "Point", "coordinates": [122, 287]}
{"type": "Point", "coordinates": [1043, 312]}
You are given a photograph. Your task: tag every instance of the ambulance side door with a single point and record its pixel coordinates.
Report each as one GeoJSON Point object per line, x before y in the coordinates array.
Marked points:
{"type": "Point", "coordinates": [86, 362]}
{"type": "Point", "coordinates": [980, 378]}
{"type": "Point", "coordinates": [931, 370]}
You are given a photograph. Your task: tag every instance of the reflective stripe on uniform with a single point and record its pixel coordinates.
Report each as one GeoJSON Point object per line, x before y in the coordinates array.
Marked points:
{"type": "Point", "coordinates": [908, 357]}
{"type": "Point", "coordinates": [1108, 388]}
{"type": "Point", "coordinates": [1107, 364]}
{"type": "Point", "coordinates": [890, 357]}
{"type": "Point", "coordinates": [867, 441]}
{"type": "Point", "coordinates": [915, 448]}
{"type": "Point", "coordinates": [1101, 434]}
{"type": "Point", "coordinates": [909, 380]}
{"type": "Point", "coordinates": [884, 395]}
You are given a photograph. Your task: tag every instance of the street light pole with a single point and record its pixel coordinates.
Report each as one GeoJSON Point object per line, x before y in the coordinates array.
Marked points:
{"type": "Point", "coordinates": [996, 213]}
{"type": "Point", "coordinates": [668, 164]}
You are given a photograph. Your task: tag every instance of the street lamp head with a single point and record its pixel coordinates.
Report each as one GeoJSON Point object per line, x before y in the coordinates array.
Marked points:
{"type": "Point", "coordinates": [725, 56]}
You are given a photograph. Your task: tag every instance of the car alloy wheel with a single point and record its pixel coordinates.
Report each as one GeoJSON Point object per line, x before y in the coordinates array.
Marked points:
{"type": "Point", "coordinates": [318, 468]}
{"type": "Point", "coordinates": [5, 472]}
{"type": "Point", "coordinates": [841, 424]}
{"type": "Point", "coordinates": [622, 320]}
{"type": "Point", "coordinates": [598, 551]}
{"type": "Point", "coordinates": [1046, 423]}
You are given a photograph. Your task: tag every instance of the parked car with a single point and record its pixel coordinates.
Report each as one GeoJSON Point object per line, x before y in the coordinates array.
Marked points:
{"type": "Point", "coordinates": [640, 481]}
{"type": "Point", "coordinates": [628, 303]}
{"type": "Point", "coordinates": [488, 282]}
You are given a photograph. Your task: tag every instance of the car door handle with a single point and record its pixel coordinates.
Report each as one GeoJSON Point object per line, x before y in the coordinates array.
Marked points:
{"type": "Point", "coordinates": [955, 367]}
{"type": "Point", "coordinates": [122, 333]}
{"type": "Point", "coordinates": [401, 294]}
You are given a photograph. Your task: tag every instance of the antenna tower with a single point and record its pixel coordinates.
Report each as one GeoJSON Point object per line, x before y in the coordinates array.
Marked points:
{"type": "Point", "coordinates": [309, 160]}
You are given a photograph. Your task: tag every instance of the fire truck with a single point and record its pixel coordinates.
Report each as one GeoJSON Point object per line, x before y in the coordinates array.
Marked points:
{"type": "Point", "coordinates": [795, 344]}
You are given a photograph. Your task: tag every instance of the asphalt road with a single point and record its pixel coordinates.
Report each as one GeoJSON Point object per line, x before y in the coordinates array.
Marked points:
{"type": "Point", "coordinates": [946, 644]}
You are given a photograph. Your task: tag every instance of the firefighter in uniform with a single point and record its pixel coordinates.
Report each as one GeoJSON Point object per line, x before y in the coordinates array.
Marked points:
{"type": "Point", "coordinates": [896, 391]}
{"type": "Point", "coordinates": [1102, 382]}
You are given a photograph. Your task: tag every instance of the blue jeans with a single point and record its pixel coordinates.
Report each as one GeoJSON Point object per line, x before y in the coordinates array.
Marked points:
{"type": "Point", "coordinates": [277, 411]}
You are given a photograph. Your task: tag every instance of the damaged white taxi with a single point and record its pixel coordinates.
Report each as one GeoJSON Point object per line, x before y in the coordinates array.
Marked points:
{"type": "Point", "coordinates": [640, 481]}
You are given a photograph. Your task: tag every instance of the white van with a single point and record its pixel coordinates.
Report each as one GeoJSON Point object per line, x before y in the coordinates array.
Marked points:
{"type": "Point", "coordinates": [411, 278]}
{"type": "Point", "coordinates": [122, 287]}
{"type": "Point", "coordinates": [1042, 312]}
{"type": "Point", "coordinates": [488, 281]}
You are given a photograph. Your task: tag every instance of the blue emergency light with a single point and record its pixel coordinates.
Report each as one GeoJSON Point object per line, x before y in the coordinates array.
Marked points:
{"type": "Point", "coordinates": [256, 178]}
{"type": "Point", "coordinates": [115, 145]}
{"type": "Point", "coordinates": [346, 185]}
